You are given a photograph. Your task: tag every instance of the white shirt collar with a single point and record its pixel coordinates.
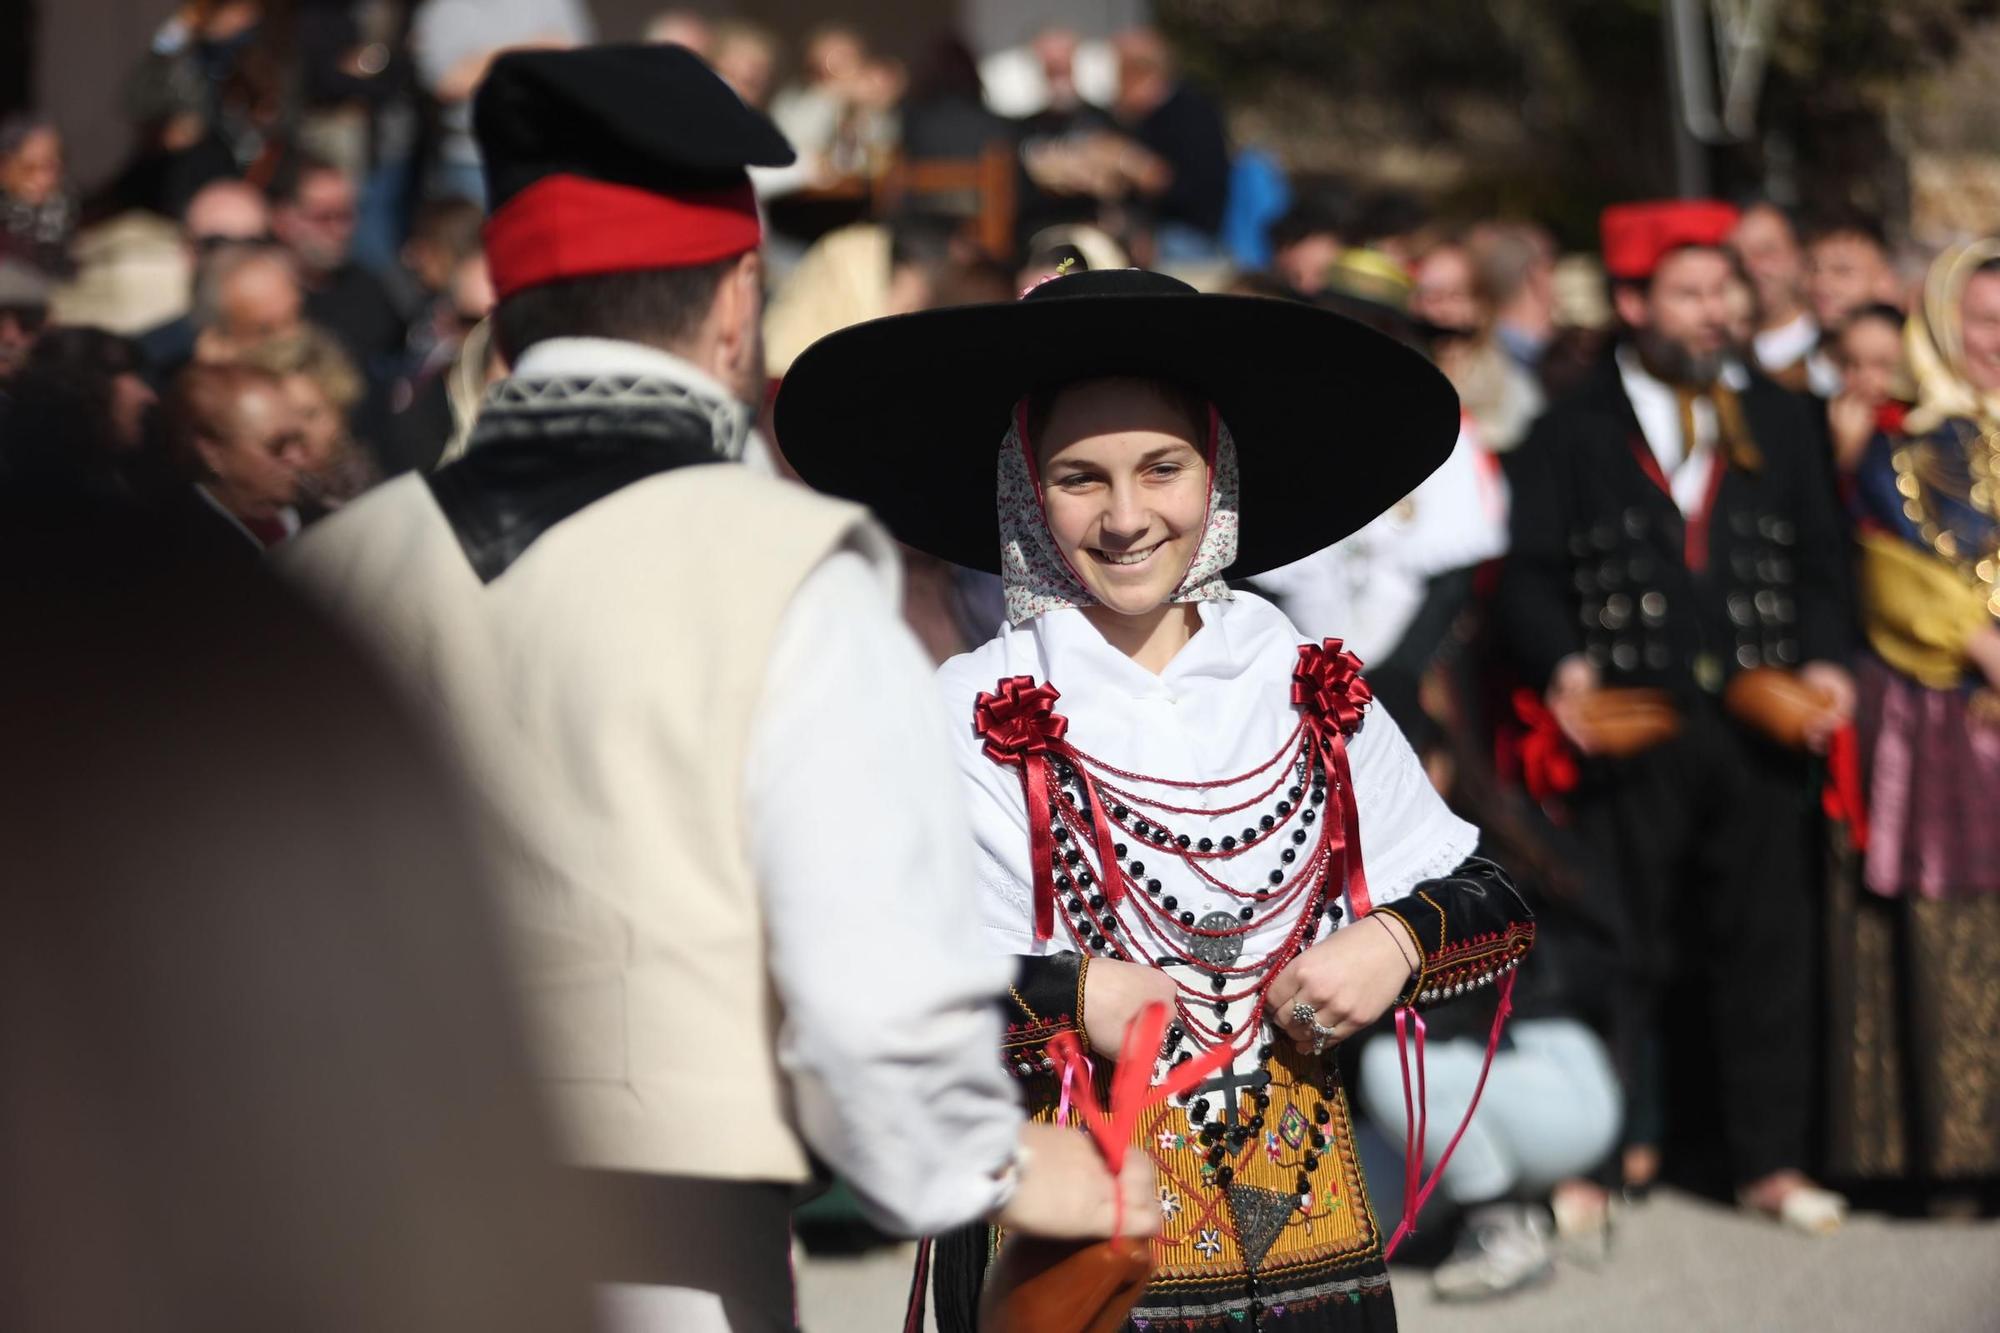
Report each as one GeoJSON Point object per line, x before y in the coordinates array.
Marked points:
{"type": "Point", "coordinates": [1786, 345]}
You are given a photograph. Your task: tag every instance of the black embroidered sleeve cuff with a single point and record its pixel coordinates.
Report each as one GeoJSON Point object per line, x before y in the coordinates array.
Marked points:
{"type": "Point", "coordinates": [1471, 928]}
{"type": "Point", "coordinates": [1045, 999]}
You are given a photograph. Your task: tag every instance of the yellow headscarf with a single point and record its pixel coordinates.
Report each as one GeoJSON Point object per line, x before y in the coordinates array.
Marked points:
{"type": "Point", "coordinates": [1934, 345]}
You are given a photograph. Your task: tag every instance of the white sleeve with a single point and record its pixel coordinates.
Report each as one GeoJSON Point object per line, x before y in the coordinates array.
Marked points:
{"type": "Point", "coordinates": [891, 1029]}
{"type": "Point", "coordinates": [1408, 833]}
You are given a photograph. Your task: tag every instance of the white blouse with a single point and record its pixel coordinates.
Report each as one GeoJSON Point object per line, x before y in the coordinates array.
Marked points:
{"type": "Point", "coordinates": [1221, 707]}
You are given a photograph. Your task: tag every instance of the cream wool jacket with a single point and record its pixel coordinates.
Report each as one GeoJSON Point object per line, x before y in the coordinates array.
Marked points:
{"type": "Point", "coordinates": [730, 841]}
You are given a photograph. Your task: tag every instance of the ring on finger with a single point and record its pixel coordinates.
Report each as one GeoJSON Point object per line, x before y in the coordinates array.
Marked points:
{"type": "Point", "coordinates": [1323, 1036]}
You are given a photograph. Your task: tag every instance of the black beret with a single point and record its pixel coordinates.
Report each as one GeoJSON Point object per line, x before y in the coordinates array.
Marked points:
{"type": "Point", "coordinates": [650, 116]}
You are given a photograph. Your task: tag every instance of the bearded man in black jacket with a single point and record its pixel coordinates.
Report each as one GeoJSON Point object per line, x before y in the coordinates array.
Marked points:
{"type": "Point", "coordinates": [1672, 527]}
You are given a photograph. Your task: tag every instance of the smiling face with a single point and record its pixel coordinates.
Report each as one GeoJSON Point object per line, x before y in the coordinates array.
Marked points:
{"type": "Point", "coordinates": [1125, 487]}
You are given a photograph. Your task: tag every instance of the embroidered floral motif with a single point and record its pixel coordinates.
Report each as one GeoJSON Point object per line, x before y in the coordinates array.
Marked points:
{"type": "Point", "coordinates": [1033, 569]}
{"type": "Point", "coordinates": [1293, 1126]}
{"type": "Point", "coordinates": [1210, 1243]}
{"type": "Point", "coordinates": [1170, 1202]}
{"type": "Point", "coordinates": [1169, 1140]}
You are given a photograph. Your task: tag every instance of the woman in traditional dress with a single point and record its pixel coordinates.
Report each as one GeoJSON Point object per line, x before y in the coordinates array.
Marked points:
{"type": "Point", "coordinates": [1918, 946]}
{"type": "Point", "coordinates": [1171, 794]}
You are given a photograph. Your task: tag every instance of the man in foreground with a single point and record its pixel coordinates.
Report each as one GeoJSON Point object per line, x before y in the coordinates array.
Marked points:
{"type": "Point", "coordinates": [742, 890]}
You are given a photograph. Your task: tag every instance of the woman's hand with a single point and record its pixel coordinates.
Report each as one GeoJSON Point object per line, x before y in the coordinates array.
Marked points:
{"type": "Point", "coordinates": [1067, 1193]}
{"type": "Point", "coordinates": [1349, 980]}
{"type": "Point", "coordinates": [1113, 995]}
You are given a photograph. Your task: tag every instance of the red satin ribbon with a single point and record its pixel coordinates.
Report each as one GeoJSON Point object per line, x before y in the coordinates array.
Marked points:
{"type": "Point", "coordinates": [1843, 798]}
{"type": "Point", "coordinates": [1327, 683]}
{"type": "Point", "coordinates": [1416, 1190]}
{"type": "Point", "coordinates": [1132, 1086]}
{"type": "Point", "coordinates": [1019, 724]}
{"type": "Point", "coordinates": [1694, 549]}
{"type": "Point", "coordinates": [1548, 768]}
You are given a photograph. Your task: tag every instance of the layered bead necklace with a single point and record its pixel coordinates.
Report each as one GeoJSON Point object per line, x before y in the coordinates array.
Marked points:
{"type": "Point", "coordinates": [1093, 824]}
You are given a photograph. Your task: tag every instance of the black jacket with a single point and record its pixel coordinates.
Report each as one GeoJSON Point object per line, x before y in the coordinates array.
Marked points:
{"type": "Point", "coordinates": [1598, 561]}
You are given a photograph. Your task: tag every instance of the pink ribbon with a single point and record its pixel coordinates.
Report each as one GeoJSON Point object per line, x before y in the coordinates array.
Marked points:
{"type": "Point", "coordinates": [1416, 1191]}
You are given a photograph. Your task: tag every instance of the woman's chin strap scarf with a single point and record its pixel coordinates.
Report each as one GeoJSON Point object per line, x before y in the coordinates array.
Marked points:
{"type": "Point", "coordinates": [1038, 577]}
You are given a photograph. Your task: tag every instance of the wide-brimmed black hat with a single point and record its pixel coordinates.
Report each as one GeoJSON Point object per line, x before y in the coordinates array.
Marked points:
{"type": "Point", "coordinates": [1333, 422]}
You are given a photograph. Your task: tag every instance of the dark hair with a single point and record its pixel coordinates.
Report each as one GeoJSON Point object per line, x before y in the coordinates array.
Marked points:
{"type": "Point", "coordinates": [1883, 311]}
{"type": "Point", "coordinates": [1388, 213]}
{"type": "Point", "coordinates": [1042, 402]}
{"type": "Point", "coordinates": [1321, 206]}
{"type": "Point", "coordinates": [1250, 283]}
{"type": "Point", "coordinates": [1750, 203]}
{"type": "Point", "coordinates": [658, 306]}
{"type": "Point", "coordinates": [59, 426]}
{"type": "Point", "coordinates": [949, 72]}
{"type": "Point", "coordinates": [20, 126]}
{"type": "Point", "coordinates": [923, 239]}
{"type": "Point", "coordinates": [292, 174]}
{"type": "Point", "coordinates": [1848, 222]}
{"type": "Point", "coordinates": [451, 224]}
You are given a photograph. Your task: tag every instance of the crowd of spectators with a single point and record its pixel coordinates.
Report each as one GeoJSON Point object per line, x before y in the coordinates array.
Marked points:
{"type": "Point", "coordinates": [279, 301]}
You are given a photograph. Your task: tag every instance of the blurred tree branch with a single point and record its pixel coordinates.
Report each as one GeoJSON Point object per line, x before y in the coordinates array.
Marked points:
{"type": "Point", "coordinates": [1557, 106]}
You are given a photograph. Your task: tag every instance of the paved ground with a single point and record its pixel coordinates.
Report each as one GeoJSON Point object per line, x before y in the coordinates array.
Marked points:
{"type": "Point", "coordinates": [1679, 1265]}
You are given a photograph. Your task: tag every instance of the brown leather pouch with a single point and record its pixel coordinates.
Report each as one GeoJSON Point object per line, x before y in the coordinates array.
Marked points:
{"type": "Point", "coordinates": [1047, 1286]}
{"type": "Point", "coordinates": [1620, 722]}
{"type": "Point", "coordinates": [1775, 703]}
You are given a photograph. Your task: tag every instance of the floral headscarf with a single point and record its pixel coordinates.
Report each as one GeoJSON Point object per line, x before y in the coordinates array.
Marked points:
{"type": "Point", "coordinates": [1934, 344]}
{"type": "Point", "coordinates": [1038, 577]}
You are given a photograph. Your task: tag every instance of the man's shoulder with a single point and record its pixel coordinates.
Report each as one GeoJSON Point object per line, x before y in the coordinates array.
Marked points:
{"type": "Point", "coordinates": [384, 524]}
{"type": "Point", "coordinates": [1583, 418]}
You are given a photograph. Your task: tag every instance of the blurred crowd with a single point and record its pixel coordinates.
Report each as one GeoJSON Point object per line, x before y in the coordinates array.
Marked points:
{"type": "Point", "coordinates": [280, 300]}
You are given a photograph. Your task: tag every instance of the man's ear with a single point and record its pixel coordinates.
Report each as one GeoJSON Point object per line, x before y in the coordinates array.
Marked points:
{"type": "Point", "coordinates": [736, 319]}
{"type": "Point", "coordinates": [743, 290]}
{"type": "Point", "coordinates": [1629, 299]}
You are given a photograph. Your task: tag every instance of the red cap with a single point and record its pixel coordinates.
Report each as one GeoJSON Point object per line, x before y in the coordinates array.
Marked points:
{"type": "Point", "coordinates": [570, 226]}
{"type": "Point", "coordinates": [1638, 236]}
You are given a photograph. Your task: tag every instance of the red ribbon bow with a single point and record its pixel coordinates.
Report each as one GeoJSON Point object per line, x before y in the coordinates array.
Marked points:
{"type": "Point", "coordinates": [1327, 684]}
{"type": "Point", "coordinates": [1019, 719]}
{"type": "Point", "coordinates": [1548, 768]}
{"type": "Point", "coordinates": [1020, 725]}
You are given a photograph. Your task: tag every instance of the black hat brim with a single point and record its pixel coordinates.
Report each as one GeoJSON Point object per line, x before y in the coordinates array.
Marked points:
{"type": "Point", "coordinates": [1333, 422]}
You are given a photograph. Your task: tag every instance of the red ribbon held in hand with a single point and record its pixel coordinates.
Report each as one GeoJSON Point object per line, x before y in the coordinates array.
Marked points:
{"type": "Point", "coordinates": [1842, 798]}
{"type": "Point", "coordinates": [1327, 684]}
{"type": "Point", "coordinates": [1548, 768]}
{"type": "Point", "coordinates": [1132, 1087]}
